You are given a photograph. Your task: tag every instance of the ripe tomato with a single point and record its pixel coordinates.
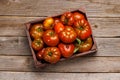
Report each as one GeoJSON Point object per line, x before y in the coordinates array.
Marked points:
{"type": "Point", "coordinates": [48, 23]}
{"type": "Point", "coordinates": [67, 18]}
{"type": "Point", "coordinates": [56, 20]}
{"type": "Point", "coordinates": [78, 16]}
{"type": "Point", "coordinates": [85, 45]}
{"type": "Point", "coordinates": [59, 27]}
{"type": "Point", "coordinates": [37, 44]}
{"type": "Point", "coordinates": [50, 38]}
{"type": "Point", "coordinates": [39, 55]}
{"type": "Point", "coordinates": [66, 49]}
{"type": "Point", "coordinates": [82, 28]}
{"type": "Point", "coordinates": [52, 54]}
{"type": "Point", "coordinates": [36, 31]}
{"type": "Point", "coordinates": [68, 35]}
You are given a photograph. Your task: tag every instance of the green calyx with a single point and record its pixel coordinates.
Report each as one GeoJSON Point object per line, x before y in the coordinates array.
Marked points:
{"type": "Point", "coordinates": [81, 28]}
{"type": "Point", "coordinates": [78, 41]}
{"type": "Point", "coordinates": [39, 29]}
{"type": "Point", "coordinates": [38, 42]}
{"type": "Point", "coordinates": [66, 21]}
{"type": "Point", "coordinates": [51, 33]}
{"type": "Point", "coordinates": [77, 45]}
{"type": "Point", "coordinates": [76, 49]}
{"type": "Point", "coordinates": [50, 53]}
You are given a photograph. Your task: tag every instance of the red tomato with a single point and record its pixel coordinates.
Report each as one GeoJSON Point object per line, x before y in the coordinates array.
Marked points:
{"type": "Point", "coordinates": [50, 38]}
{"type": "Point", "coordinates": [78, 16]}
{"type": "Point", "coordinates": [59, 27]}
{"type": "Point", "coordinates": [66, 49]}
{"type": "Point", "coordinates": [37, 44]}
{"type": "Point", "coordinates": [68, 35]}
{"type": "Point", "coordinates": [67, 18]}
{"type": "Point", "coordinates": [82, 28]}
{"type": "Point", "coordinates": [39, 55]}
{"type": "Point", "coordinates": [36, 31]}
{"type": "Point", "coordinates": [52, 54]}
{"type": "Point", "coordinates": [48, 23]}
{"type": "Point", "coordinates": [56, 20]}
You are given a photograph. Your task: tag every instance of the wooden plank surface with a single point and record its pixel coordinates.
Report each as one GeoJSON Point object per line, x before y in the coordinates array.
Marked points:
{"type": "Point", "coordinates": [57, 76]}
{"type": "Point", "coordinates": [95, 8]}
{"type": "Point", "coordinates": [80, 64]}
{"type": "Point", "coordinates": [15, 56]}
{"type": "Point", "coordinates": [102, 27]}
{"type": "Point", "coordinates": [19, 46]}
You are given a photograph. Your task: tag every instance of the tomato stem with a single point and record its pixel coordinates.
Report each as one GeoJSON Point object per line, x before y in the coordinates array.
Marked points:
{"type": "Point", "coordinates": [52, 33]}
{"type": "Point", "coordinates": [39, 29]}
{"type": "Point", "coordinates": [75, 50]}
{"type": "Point", "coordinates": [81, 28]}
{"type": "Point", "coordinates": [66, 21]}
{"type": "Point", "coordinates": [78, 40]}
{"type": "Point", "coordinates": [50, 53]}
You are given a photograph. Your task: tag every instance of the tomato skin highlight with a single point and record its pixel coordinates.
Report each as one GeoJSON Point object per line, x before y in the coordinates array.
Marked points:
{"type": "Point", "coordinates": [52, 55]}
{"type": "Point", "coordinates": [66, 49]}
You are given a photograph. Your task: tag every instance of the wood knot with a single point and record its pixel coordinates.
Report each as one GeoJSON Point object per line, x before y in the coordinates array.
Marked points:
{"type": "Point", "coordinates": [96, 26]}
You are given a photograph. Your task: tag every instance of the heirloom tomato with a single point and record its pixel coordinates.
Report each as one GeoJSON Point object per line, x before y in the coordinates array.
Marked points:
{"type": "Point", "coordinates": [52, 54]}
{"type": "Point", "coordinates": [36, 30]}
{"type": "Point", "coordinates": [39, 55]}
{"type": "Point", "coordinates": [85, 45]}
{"type": "Point", "coordinates": [59, 27]}
{"type": "Point", "coordinates": [37, 44]}
{"type": "Point", "coordinates": [67, 18]}
{"type": "Point", "coordinates": [50, 38]}
{"type": "Point", "coordinates": [68, 35]}
{"type": "Point", "coordinates": [78, 16]}
{"type": "Point", "coordinates": [48, 23]}
{"type": "Point", "coordinates": [66, 50]}
{"type": "Point", "coordinates": [82, 28]}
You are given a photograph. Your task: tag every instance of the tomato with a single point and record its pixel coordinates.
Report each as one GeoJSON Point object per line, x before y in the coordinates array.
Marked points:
{"type": "Point", "coordinates": [85, 45]}
{"type": "Point", "coordinates": [36, 31]}
{"type": "Point", "coordinates": [59, 27]}
{"type": "Point", "coordinates": [50, 38]}
{"type": "Point", "coordinates": [48, 23]}
{"type": "Point", "coordinates": [37, 44]}
{"type": "Point", "coordinates": [82, 28]}
{"type": "Point", "coordinates": [52, 54]}
{"type": "Point", "coordinates": [67, 18]}
{"type": "Point", "coordinates": [78, 16]}
{"type": "Point", "coordinates": [66, 49]}
{"type": "Point", "coordinates": [68, 35]}
{"type": "Point", "coordinates": [56, 20]}
{"type": "Point", "coordinates": [39, 55]}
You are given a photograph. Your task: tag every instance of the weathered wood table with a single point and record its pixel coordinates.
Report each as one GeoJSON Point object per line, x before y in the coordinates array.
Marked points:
{"type": "Point", "coordinates": [16, 62]}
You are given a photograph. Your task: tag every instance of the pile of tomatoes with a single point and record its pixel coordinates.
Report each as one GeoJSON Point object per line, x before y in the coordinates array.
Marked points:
{"type": "Point", "coordinates": [62, 36]}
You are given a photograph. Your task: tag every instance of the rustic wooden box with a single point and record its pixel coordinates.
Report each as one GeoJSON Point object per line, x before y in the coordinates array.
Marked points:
{"type": "Point", "coordinates": [39, 64]}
